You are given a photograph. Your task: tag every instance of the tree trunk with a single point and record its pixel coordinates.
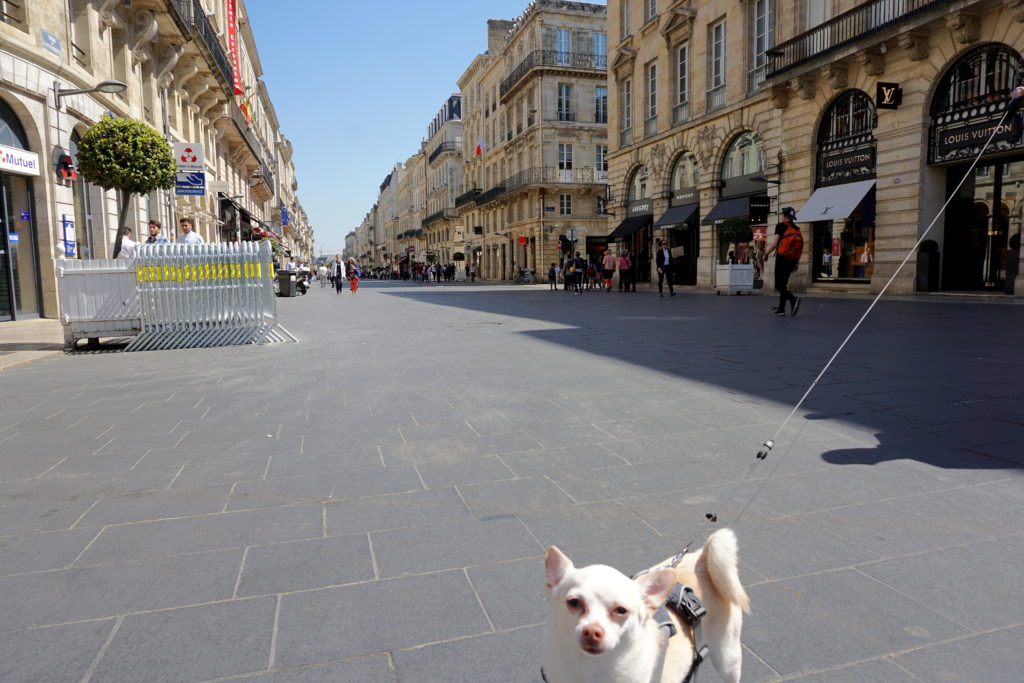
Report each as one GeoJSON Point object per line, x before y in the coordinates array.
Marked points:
{"type": "Point", "coordinates": [122, 218]}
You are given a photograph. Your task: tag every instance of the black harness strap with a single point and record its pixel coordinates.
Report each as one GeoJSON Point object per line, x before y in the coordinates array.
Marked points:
{"type": "Point", "coordinates": [688, 607]}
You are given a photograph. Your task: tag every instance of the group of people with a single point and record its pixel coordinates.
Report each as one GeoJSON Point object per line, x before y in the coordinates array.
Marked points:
{"type": "Point", "coordinates": [426, 272]}
{"type": "Point", "coordinates": [129, 245]}
{"type": "Point", "coordinates": [340, 272]}
{"type": "Point", "coordinates": [579, 274]}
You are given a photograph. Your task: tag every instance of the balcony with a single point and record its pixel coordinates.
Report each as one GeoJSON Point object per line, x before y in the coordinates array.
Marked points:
{"type": "Point", "coordinates": [755, 77]}
{"type": "Point", "coordinates": [466, 197]}
{"type": "Point", "coordinates": [543, 176]}
{"type": "Point", "coordinates": [842, 30]}
{"type": "Point", "coordinates": [554, 59]}
{"type": "Point", "coordinates": [625, 137]}
{"type": "Point", "coordinates": [651, 126]}
{"type": "Point", "coordinates": [202, 30]}
{"type": "Point", "coordinates": [716, 98]}
{"type": "Point", "coordinates": [246, 132]}
{"type": "Point", "coordinates": [442, 148]}
{"type": "Point", "coordinates": [490, 195]}
{"type": "Point", "coordinates": [680, 113]}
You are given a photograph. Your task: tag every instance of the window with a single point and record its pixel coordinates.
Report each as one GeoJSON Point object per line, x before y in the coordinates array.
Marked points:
{"type": "Point", "coordinates": [650, 9]}
{"type": "Point", "coordinates": [743, 156]}
{"type": "Point", "coordinates": [685, 173]}
{"type": "Point", "coordinates": [601, 158]}
{"type": "Point", "coordinates": [625, 19]}
{"type": "Point", "coordinates": [12, 14]}
{"type": "Point", "coordinates": [600, 104]}
{"type": "Point", "coordinates": [601, 50]}
{"type": "Point", "coordinates": [561, 46]}
{"type": "Point", "coordinates": [818, 12]}
{"type": "Point", "coordinates": [652, 90]}
{"type": "Point", "coordinates": [762, 33]}
{"type": "Point", "coordinates": [681, 110]}
{"type": "Point", "coordinates": [78, 25]}
{"type": "Point", "coordinates": [565, 204]}
{"type": "Point", "coordinates": [565, 102]}
{"type": "Point", "coordinates": [627, 103]}
{"type": "Point", "coordinates": [716, 67]}
{"type": "Point", "coordinates": [638, 185]}
{"type": "Point", "coordinates": [564, 157]}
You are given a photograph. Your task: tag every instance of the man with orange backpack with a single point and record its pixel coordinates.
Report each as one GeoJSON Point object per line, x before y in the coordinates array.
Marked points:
{"type": "Point", "coordinates": [788, 247]}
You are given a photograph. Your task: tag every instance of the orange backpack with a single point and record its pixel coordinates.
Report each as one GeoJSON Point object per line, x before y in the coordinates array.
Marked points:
{"type": "Point", "coordinates": [791, 246]}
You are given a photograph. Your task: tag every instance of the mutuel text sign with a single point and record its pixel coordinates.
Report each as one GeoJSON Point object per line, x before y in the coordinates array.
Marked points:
{"type": "Point", "coordinates": [15, 160]}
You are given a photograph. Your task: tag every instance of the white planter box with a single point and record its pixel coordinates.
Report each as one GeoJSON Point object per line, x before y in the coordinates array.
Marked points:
{"type": "Point", "coordinates": [734, 278]}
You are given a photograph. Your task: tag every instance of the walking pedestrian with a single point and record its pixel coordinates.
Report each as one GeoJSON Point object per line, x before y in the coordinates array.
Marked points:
{"type": "Point", "coordinates": [625, 270]}
{"type": "Point", "coordinates": [788, 247]}
{"type": "Point", "coordinates": [608, 270]}
{"type": "Point", "coordinates": [353, 275]}
{"type": "Point", "coordinates": [127, 244]}
{"type": "Point", "coordinates": [579, 267]}
{"type": "Point", "coordinates": [664, 261]}
{"type": "Point", "coordinates": [338, 273]}
{"type": "Point", "coordinates": [472, 273]}
{"type": "Point", "coordinates": [553, 277]}
{"type": "Point", "coordinates": [187, 236]}
{"type": "Point", "coordinates": [321, 275]}
{"type": "Point", "coordinates": [154, 234]}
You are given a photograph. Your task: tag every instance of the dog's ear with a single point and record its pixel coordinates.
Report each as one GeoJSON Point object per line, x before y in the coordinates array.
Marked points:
{"type": "Point", "coordinates": [655, 587]}
{"type": "Point", "coordinates": [555, 567]}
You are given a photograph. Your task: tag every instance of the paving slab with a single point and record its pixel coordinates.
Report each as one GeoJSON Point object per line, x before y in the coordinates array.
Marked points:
{"type": "Point", "coordinates": [291, 499]}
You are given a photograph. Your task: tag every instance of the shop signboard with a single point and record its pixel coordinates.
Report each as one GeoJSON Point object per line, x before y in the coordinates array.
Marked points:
{"type": "Point", "coordinates": [522, 240]}
{"type": "Point", "coordinates": [26, 216]}
{"type": "Point", "coordinates": [973, 135]}
{"type": "Point", "coordinates": [190, 159]}
{"type": "Point", "coordinates": [18, 161]}
{"type": "Point", "coordinates": [760, 233]}
{"type": "Point", "coordinates": [760, 205]}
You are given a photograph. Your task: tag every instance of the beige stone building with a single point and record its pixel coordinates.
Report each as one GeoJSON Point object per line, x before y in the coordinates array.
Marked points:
{"type": "Point", "coordinates": [180, 79]}
{"type": "Point", "coordinates": [442, 224]}
{"type": "Point", "coordinates": [863, 116]}
{"type": "Point", "coordinates": [535, 109]}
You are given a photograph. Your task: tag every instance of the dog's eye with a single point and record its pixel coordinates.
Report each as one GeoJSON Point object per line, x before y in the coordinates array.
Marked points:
{"type": "Point", "coordinates": [621, 611]}
{"type": "Point", "coordinates": [574, 603]}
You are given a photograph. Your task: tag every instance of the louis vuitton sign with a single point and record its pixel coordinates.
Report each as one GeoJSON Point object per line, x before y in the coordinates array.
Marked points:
{"type": "Point", "coordinates": [888, 95]}
{"type": "Point", "coordinates": [974, 135]}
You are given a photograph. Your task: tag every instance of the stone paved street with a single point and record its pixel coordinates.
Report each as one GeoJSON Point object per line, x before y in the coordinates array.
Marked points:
{"type": "Point", "coordinates": [373, 503]}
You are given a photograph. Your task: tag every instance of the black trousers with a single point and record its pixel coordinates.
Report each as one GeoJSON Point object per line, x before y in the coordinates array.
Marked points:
{"type": "Point", "coordinates": [665, 274]}
{"type": "Point", "coordinates": [783, 269]}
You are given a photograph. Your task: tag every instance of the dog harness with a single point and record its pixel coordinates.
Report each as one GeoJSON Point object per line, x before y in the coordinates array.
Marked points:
{"type": "Point", "coordinates": [690, 610]}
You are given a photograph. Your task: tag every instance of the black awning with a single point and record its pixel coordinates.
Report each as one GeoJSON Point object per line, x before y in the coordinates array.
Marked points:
{"type": "Point", "coordinates": [728, 208]}
{"type": "Point", "coordinates": [676, 216]}
{"type": "Point", "coordinates": [629, 226]}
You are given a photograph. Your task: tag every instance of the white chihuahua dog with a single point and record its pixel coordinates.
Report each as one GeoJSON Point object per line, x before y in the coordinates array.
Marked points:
{"type": "Point", "coordinates": [601, 626]}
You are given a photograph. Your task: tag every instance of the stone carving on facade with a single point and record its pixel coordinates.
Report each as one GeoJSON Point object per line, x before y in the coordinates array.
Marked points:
{"type": "Point", "coordinates": [185, 69]}
{"type": "Point", "coordinates": [677, 23]}
{"type": "Point", "coordinates": [659, 157]}
{"type": "Point", "coordinates": [168, 55]}
{"type": "Point", "coordinates": [916, 44]}
{"type": "Point", "coordinates": [1018, 8]}
{"type": "Point", "coordinates": [706, 145]}
{"type": "Point", "coordinates": [835, 74]}
{"type": "Point", "coordinates": [780, 96]}
{"type": "Point", "coordinates": [873, 62]}
{"type": "Point", "coordinates": [109, 16]}
{"type": "Point", "coordinates": [196, 88]}
{"type": "Point", "coordinates": [964, 26]}
{"type": "Point", "coordinates": [144, 28]}
{"type": "Point", "coordinates": [803, 86]}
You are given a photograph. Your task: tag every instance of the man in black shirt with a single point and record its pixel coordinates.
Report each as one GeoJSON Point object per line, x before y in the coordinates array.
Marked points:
{"type": "Point", "coordinates": [784, 266]}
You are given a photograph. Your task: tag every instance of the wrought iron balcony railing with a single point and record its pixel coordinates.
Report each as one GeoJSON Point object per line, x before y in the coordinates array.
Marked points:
{"type": "Point", "coordinates": [490, 195]}
{"type": "Point", "coordinates": [552, 58]}
{"type": "Point", "coordinates": [202, 28]}
{"type": "Point", "coordinates": [846, 28]}
{"type": "Point", "coordinates": [442, 148]}
{"type": "Point", "coordinates": [625, 137]}
{"type": "Point", "coordinates": [651, 126]}
{"type": "Point", "coordinates": [466, 197]}
{"type": "Point", "coordinates": [543, 176]}
{"type": "Point", "coordinates": [680, 113]}
{"type": "Point", "coordinates": [716, 97]}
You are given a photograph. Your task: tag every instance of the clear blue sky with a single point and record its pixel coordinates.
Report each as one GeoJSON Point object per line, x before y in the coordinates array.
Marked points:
{"type": "Point", "coordinates": [355, 85]}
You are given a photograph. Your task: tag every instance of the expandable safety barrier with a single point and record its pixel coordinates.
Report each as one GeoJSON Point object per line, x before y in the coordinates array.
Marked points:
{"type": "Point", "coordinates": [200, 295]}
{"type": "Point", "coordinates": [98, 298]}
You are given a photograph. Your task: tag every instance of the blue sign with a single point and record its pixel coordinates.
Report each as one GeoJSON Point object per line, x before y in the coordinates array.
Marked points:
{"type": "Point", "coordinates": [284, 216]}
{"type": "Point", "coordinates": [190, 184]}
{"type": "Point", "coordinates": [26, 216]}
{"type": "Point", "coordinates": [12, 238]}
{"type": "Point", "coordinates": [52, 43]}
{"type": "Point", "coordinates": [69, 237]}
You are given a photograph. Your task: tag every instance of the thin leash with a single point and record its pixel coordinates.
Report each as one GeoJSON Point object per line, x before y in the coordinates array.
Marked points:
{"type": "Point", "coordinates": [769, 444]}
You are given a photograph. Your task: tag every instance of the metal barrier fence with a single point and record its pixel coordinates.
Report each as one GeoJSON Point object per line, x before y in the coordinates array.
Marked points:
{"type": "Point", "coordinates": [98, 298]}
{"type": "Point", "coordinates": [201, 295]}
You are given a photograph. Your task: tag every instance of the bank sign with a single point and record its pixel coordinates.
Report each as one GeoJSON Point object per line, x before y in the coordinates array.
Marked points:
{"type": "Point", "coordinates": [189, 157]}
{"type": "Point", "coordinates": [18, 161]}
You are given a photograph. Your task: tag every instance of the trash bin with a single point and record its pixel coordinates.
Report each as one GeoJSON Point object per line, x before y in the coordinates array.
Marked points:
{"type": "Point", "coordinates": [286, 283]}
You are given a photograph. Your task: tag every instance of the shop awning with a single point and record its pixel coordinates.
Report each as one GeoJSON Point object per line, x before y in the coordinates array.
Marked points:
{"type": "Point", "coordinates": [834, 203]}
{"type": "Point", "coordinates": [628, 227]}
{"type": "Point", "coordinates": [728, 208]}
{"type": "Point", "coordinates": [676, 216]}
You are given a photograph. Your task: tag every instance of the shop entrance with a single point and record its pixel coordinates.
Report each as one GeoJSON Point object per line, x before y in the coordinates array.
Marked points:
{"type": "Point", "coordinates": [980, 220]}
{"type": "Point", "coordinates": [19, 276]}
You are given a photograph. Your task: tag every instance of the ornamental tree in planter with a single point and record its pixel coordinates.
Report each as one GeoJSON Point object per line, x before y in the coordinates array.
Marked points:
{"type": "Point", "coordinates": [127, 155]}
{"type": "Point", "coordinates": [458, 256]}
{"type": "Point", "coordinates": [731, 232]}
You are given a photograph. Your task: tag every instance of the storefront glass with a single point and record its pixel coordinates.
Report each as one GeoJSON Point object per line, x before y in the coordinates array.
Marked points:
{"type": "Point", "coordinates": [20, 268]}
{"type": "Point", "coordinates": [845, 250]}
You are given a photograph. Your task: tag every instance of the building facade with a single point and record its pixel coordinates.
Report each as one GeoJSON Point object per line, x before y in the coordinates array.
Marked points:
{"type": "Point", "coordinates": [862, 115]}
{"type": "Point", "coordinates": [535, 112]}
{"type": "Point", "coordinates": [443, 227]}
{"type": "Point", "coordinates": [181, 79]}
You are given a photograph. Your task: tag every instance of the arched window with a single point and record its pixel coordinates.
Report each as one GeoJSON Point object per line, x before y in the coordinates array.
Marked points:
{"type": "Point", "coordinates": [11, 132]}
{"type": "Point", "coordinates": [639, 187]}
{"type": "Point", "coordinates": [743, 157]}
{"type": "Point", "coordinates": [970, 97]}
{"type": "Point", "coordinates": [846, 143]}
{"type": "Point", "coordinates": [685, 173]}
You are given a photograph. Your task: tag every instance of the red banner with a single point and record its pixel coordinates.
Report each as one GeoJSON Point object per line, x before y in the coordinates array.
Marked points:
{"type": "Point", "coordinates": [232, 7]}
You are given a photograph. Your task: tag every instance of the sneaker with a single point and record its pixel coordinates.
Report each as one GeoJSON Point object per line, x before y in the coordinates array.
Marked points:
{"type": "Point", "coordinates": [775, 309]}
{"type": "Point", "coordinates": [671, 294]}
{"type": "Point", "coordinates": [779, 312]}
{"type": "Point", "coordinates": [796, 306]}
